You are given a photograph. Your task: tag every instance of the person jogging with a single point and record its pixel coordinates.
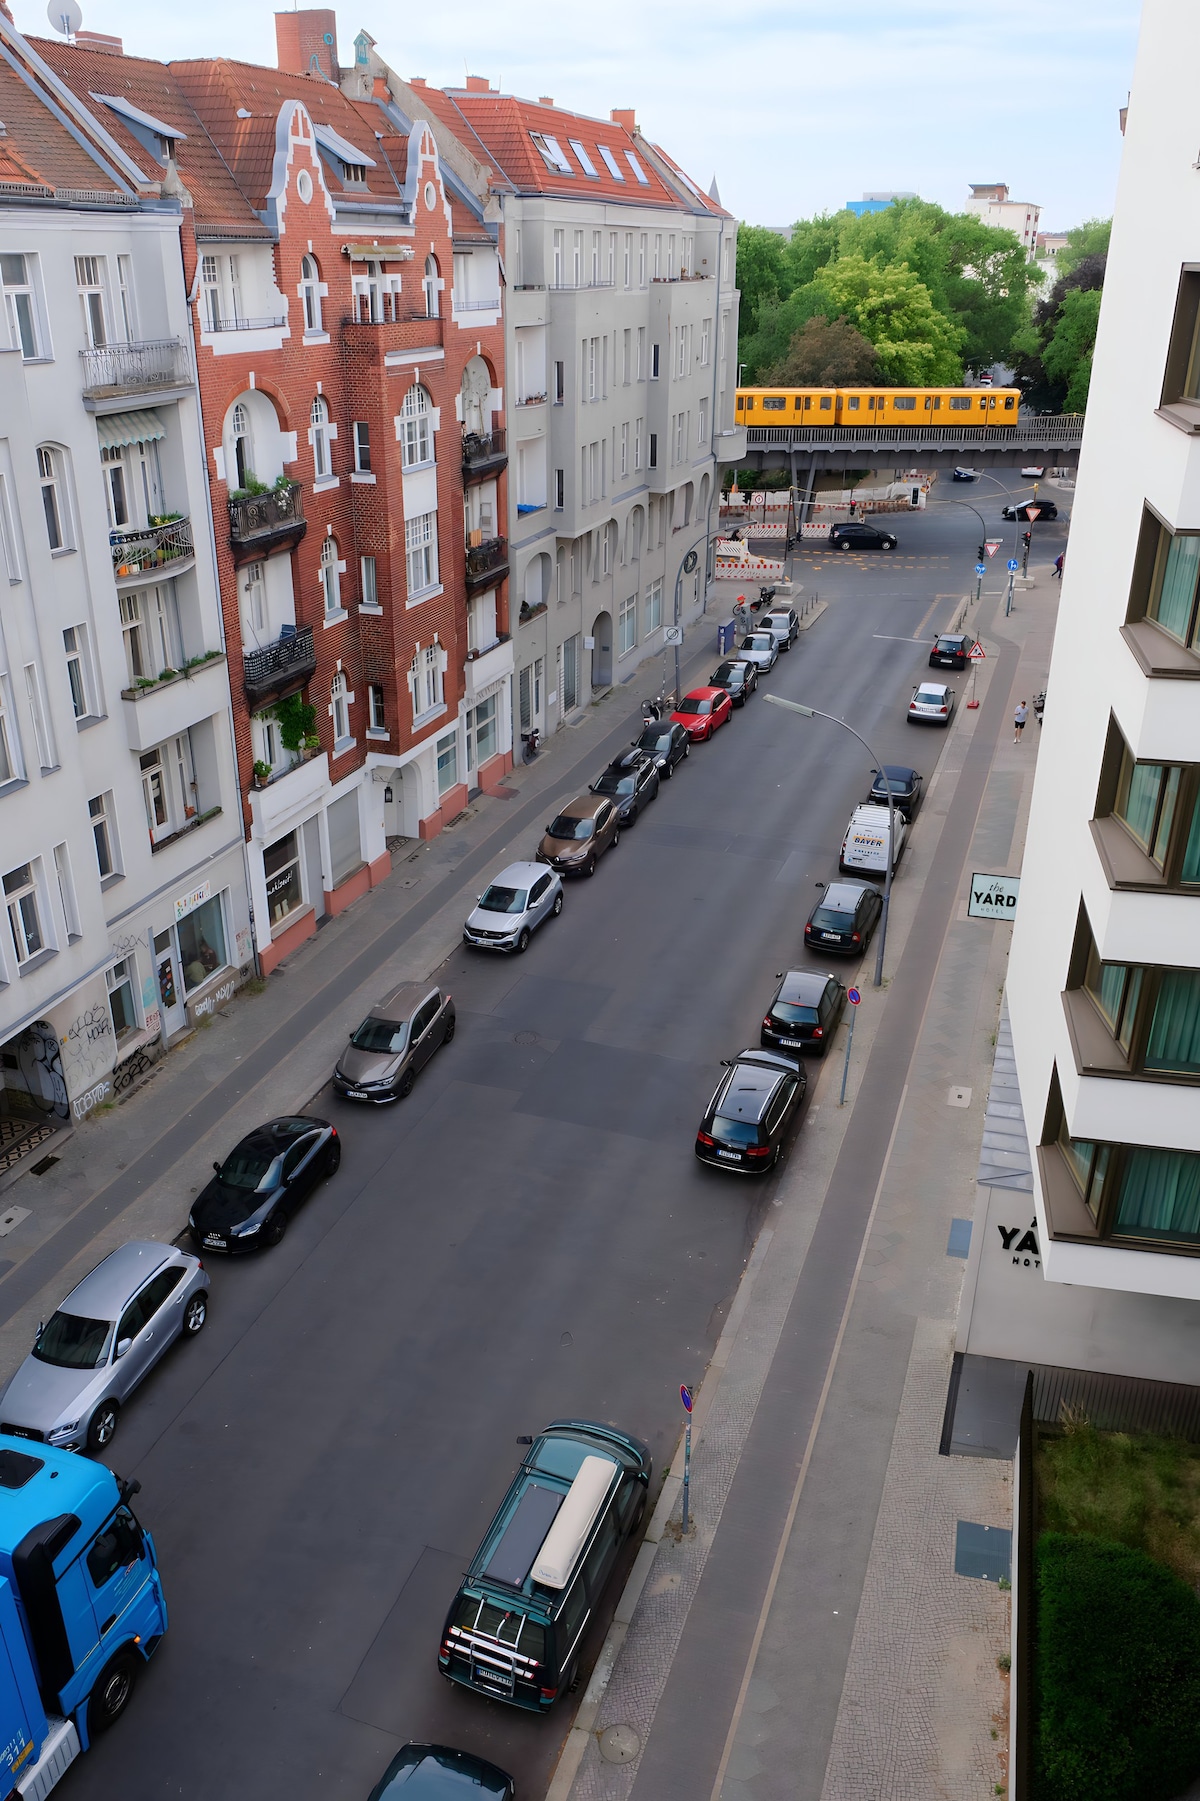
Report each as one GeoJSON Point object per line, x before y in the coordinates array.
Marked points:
{"type": "Point", "coordinates": [1020, 715]}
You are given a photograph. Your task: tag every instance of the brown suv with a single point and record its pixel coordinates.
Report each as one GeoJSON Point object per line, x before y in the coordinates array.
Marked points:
{"type": "Point", "coordinates": [577, 837]}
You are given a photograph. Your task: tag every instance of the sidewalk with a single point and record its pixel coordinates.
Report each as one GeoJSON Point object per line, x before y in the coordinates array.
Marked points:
{"type": "Point", "coordinates": [810, 1637]}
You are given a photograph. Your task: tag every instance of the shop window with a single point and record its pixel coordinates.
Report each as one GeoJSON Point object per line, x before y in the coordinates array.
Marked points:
{"type": "Point", "coordinates": [281, 866]}
{"type": "Point", "coordinates": [202, 943]}
{"type": "Point", "coordinates": [482, 732]}
{"type": "Point", "coordinates": [121, 1004]}
{"type": "Point", "coordinates": [447, 763]}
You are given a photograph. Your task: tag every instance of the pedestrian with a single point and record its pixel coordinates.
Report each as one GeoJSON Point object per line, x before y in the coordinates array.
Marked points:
{"type": "Point", "coordinates": [1019, 717]}
{"type": "Point", "coordinates": [1058, 565]}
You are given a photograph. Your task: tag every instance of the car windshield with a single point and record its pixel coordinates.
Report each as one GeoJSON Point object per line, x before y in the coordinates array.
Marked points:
{"type": "Point", "coordinates": [734, 1131]}
{"type": "Point", "coordinates": [654, 741]}
{"type": "Point", "coordinates": [248, 1167]}
{"type": "Point", "coordinates": [728, 672]}
{"type": "Point", "coordinates": [498, 899]}
{"type": "Point", "coordinates": [567, 826]}
{"type": "Point", "coordinates": [930, 696]}
{"type": "Point", "coordinates": [614, 782]}
{"type": "Point", "coordinates": [897, 784]}
{"type": "Point", "coordinates": [691, 705]}
{"type": "Point", "coordinates": [760, 641]}
{"type": "Point", "coordinates": [954, 644]}
{"type": "Point", "coordinates": [380, 1035]}
{"type": "Point", "coordinates": [794, 1015]}
{"type": "Point", "coordinates": [832, 921]}
{"type": "Point", "coordinates": [72, 1342]}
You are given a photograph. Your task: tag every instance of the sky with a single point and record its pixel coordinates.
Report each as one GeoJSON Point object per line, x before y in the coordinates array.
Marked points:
{"type": "Point", "coordinates": [796, 106]}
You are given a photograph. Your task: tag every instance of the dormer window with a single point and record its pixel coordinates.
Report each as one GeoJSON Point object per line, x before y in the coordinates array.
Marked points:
{"type": "Point", "coordinates": [354, 175]}
{"type": "Point", "coordinates": [553, 154]}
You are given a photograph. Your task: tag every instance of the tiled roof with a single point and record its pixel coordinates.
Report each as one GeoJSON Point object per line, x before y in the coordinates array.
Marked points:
{"type": "Point", "coordinates": [36, 149]}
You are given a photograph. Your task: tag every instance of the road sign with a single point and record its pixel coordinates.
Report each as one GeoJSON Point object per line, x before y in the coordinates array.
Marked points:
{"type": "Point", "coordinates": [1032, 513]}
{"type": "Point", "coordinates": [685, 1395]}
{"type": "Point", "coordinates": [1013, 565]}
{"type": "Point", "coordinates": [993, 896]}
{"type": "Point", "coordinates": [690, 561]}
{"type": "Point", "coordinates": [977, 653]}
{"type": "Point", "coordinates": [853, 996]}
{"type": "Point", "coordinates": [672, 634]}
{"type": "Point", "coordinates": [991, 545]}
{"type": "Point", "coordinates": [981, 568]}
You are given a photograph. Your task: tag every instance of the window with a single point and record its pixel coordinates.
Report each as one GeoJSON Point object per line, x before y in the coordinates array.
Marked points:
{"type": "Point", "coordinates": [281, 867]}
{"type": "Point", "coordinates": [369, 588]}
{"type": "Point", "coordinates": [702, 421]}
{"type": "Point", "coordinates": [560, 382]}
{"type": "Point", "coordinates": [641, 259]}
{"type": "Point", "coordinates": [610, 162]}
{"type": "Point", "coordinates": [637, 168]}
{"type": "Point", "coordinates": [447, 764]}
{"type": "Point", "coordinates": [653, 613]}
{"type": "Point", "coordinates": [654, 350]}
{"type": "Point", "coordinates": [1152, 1013]}
{"type": "Point", "coordinates": [168, 786]}
{"type": "Point", "coordinates": [210, 287]}
{"type": "Point", "coordinates": [1145, 803]}
{"type": "Point", "coordinates": [482, 732]}
{"type": "Point", "coordinates": [705, 342]}
{"type": "Point", "coordinates": [339, 708]}
{"type": "Point", "coordinates": [1135, 1191]}
{"type": "Point", "coordinates": [577, 260]}
{"type": "Point", "coordinates": [559, 258]}
{"type": "Point", "coordinates": [624, 464]}
{"type": "Point", "coordinates": [101, 812]}
{"type": "Point", "coordinates": [150, 625]}
{"type": "Point", "coordinates": [416, 428]}
{"type": "Point", "coordinates": [681, 350]}
{"type": "Point", "coordinates": [627, 626]}
{"type": "Point", "coordinates": [425, 676]}
{"type": "Point", "coordinates": [680, 436]}
{"type": "Point", "coordinates": [24, 920]}
{"type": "Point", "coordinates": [310, 292]}
{"type": "Point", "coordinates": [591, 368]}
{"type": "Point", "coordinates": [656, 271]}
{"type": "Point", "coordinates": [331, 577]}
{"type": "Point", "coordinates": [671, 256]}
{"type": "Point", "coordinates": [904, 403]}
{"type": "Point", "coordinates": [559, 489]}
{"type": "Point", "coordinates": [89, 278]}
{"type": "Point", "coordinates": [652, 459]}
{"type": "Point", "coordinates": [115, 492]}
{"type": "Point", "coordinates": [1174, 587]}
{"type": "Point", "coordinates": [11, 766]}
{"type": "Point", "coordinates": [595, 276]}
{"type": "Point", "coordinates": [362, 446]}
{"type": "Point", "coordinates": [78, 673]}
{"type": "Point", "coordinates": [20, 307]}
{"type": "Point", "coordinates": [378, 722]}
{"type": "Point", "coordinates": [242, 460]}
{"type": "Point", "coordinates": [570, 673]}
{"type": "Point", "coordinates": [318, 437]}
{"type": "Point", "coordinates": [202, 942]}
{"type": "Point", "coordinates": [8, 540]}
{"type": "Point", "coordinates": [126, 320]}
{"type": "Point", "coordinates": [52, 477]}
{"type": "Point", "coordinates": [66, 891]}
{"type": "Point", "coordinates": [552, 153]}
{"type": "Point", "coordinates": [584, 160]}
{"type": "Point", "coordinates": [637, 444]}
{"type": "Point", "coordinates": [37, 714]}
{"type": "Point", "coordinates": [1159, 806]}
{"type": "Point", "coordinates": [420, 553]}
{"type": "Point", "coordinates": [255, 589]}
{"type": "Point", "coordinates": [431, 286]}
{"type": "Point", "coordinates": [121, 1004]}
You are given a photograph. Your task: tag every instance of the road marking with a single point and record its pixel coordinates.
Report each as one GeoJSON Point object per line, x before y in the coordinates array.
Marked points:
{"type": "Point", "coordinates": [890, 638]}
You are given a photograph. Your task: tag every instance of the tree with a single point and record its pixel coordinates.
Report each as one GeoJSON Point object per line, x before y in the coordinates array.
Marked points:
{"type": "Point", "coordinates": [1067, 357]}
{"type": "Point", "coordinates": [1086, 240]}
{"type": "Point", "coordinates": [894, 311]}
{"type": "Point", "coordinates": [825, 353]}
{"type": "Point", "coordinates": [1053, 355]}
{"type": "Point", "coordinates": [760, 271]}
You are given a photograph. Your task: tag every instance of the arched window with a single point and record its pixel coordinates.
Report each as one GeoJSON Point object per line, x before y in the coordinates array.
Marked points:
{"type": "Point", "coordinates": [340, 704]}
{"type": "Point", "coordinates": [430, 285]}
{"type": "Point", "coordinates": [416, 433]}
{"type": "Point", "coordinates": [310, 292]}
{"type": "Point", "coordinates": [320, 436]}
{"type": "Point", "coordinates": [331, 578]}
{"type": "Point", "coordinates": [243, 463]}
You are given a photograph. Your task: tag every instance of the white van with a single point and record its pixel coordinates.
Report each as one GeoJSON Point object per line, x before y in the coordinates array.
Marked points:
{"type": "Point", "coordinates": [864, 848]}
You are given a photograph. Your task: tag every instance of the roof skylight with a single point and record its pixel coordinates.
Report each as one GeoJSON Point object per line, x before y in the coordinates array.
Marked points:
{"type": "Point", "coordinates": [610, 162]}
{"type": "Point", "coordinates": [634, 164]}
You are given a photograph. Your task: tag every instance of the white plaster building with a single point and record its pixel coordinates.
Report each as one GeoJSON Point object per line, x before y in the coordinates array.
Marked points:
{"type": "Point", "coordinates": [990, 202]}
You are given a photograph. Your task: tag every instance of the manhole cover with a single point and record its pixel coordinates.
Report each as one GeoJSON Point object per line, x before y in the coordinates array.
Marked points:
{"type": "Point", "coordinates": [525, 1038]}
{"type": "Point", "coordinates": [619, 1744]}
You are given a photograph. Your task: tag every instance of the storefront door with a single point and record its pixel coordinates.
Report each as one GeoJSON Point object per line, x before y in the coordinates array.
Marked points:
{"type": "Point", "coordinates": [170, 985]}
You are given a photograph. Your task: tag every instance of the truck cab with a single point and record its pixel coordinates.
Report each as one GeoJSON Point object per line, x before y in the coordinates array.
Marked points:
{"type": "Point", "coordinates": [81, 1609]}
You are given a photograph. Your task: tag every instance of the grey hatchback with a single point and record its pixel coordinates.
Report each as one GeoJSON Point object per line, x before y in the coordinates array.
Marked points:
{"type": "Point", "coordinates": [394, 1041]}
{"type": "Point", "coordinates": [103, 1340]}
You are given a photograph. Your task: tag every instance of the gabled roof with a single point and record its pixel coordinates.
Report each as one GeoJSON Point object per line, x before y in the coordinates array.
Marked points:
{"type": "Point", "coordinates": [38, 152]}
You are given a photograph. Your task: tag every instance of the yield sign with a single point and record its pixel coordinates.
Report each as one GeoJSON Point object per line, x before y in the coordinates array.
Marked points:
{"type": "Point", "coordinates": [991, 545]}
{"type": "Point", "coordinates": [977, 653]}
{"type": "Point", "coordinates": [1032, 513]}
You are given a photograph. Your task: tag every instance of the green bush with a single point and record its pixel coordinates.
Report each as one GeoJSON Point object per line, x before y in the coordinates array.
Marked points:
{"type": "Point", "coordinates": [1117, 1674]}
{"type": "Point", "coordinates": [296, 720]}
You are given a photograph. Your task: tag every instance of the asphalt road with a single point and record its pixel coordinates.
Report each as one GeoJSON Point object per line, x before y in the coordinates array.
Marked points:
{"type": "Point", "coordinates": [526, 1236]}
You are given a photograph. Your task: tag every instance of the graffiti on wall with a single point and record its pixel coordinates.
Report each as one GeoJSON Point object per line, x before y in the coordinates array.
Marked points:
{"type": "Point", "coordinates": [40, 1064]}
{"type": "Point", "coordinates": [90, 1046]}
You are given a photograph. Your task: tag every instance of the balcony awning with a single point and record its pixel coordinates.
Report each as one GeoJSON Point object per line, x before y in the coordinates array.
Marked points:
{"type": "Point", "coordinates": [116, 429]}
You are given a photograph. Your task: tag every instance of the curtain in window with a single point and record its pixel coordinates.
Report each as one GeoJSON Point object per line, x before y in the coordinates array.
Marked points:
{"type": "Point", "coordinates": [1174, 607]}
{"type": "Point", "coordinates": [1191, 851]}
{"type": "Point", "coordinates": [1174, 1041]}
{"type": "Point", "coordinates": [1141, 799]}
{"type": "Point", "coordinates": [1110, 991]}
{"type": "Point", "coordinates": [1160, 1194]}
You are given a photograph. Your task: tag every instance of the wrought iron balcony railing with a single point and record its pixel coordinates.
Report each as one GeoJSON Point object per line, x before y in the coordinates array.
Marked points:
{"type": "Point", "coordinates": [135, 368]}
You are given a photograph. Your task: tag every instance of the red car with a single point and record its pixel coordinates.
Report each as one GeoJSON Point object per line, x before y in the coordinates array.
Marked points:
{"type": "Point", "coordinates": [702, 711]}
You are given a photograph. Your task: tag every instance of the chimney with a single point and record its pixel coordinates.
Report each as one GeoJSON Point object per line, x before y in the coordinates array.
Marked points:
{"type": "Point", "coordinates": [477, 84]}
{"type": "Point", "coordinates": [381, 90]}
{"type": "Point", "coordinates": [624, 115]}
{"type": "Point", "coordinates": [416, 81]}
{"type": "Point", "coordinates": [99, 40]}
{"type": "Point", "coordinates": [545, 100]}
{"type": "Point", "coordinates": [306, 43]}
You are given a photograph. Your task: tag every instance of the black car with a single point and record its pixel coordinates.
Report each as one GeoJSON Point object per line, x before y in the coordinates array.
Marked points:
{"type": "Point", "coordinates": [952, 650]}
{"type": "Point", "coordinates": [805, 1012]}
{"type": "Point", "coordinates": [631, 781]}
{"type": "Point", "coordinates": [906, 788]}
{"type": "Point", "coordinates": [436, 1773]}
{"type": "Point", "coordinates": [844, 919]}
{"type": "Point", "coordinates": [964, 475]}
{"type": "Point", "coordinates": [667, 742]}
{"type": "Point", "coordinates": [1045, 509]}
{"type": "Point", "coordinates": [738, 677]}
{"type": "Point", "coordinates": [749, 1116]}
{"type": "Point", "coordinates": [856, 534]}
{"type": "Point", "coordinates": [261, 1184]}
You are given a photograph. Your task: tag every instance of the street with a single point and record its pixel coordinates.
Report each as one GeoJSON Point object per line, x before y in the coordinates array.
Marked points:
{"type": "Point", "coordinates": [527, 1236]}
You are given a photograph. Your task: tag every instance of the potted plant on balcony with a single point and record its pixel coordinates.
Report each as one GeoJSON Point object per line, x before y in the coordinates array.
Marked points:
{"type": "Point", "coordinates": [261, 773]}
{"type": "Point", "coordinates": [297, 719]}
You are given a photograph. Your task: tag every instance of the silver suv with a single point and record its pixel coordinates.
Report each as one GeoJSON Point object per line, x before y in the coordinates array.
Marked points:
{"type": "Point", "coordinates": [512, 906]}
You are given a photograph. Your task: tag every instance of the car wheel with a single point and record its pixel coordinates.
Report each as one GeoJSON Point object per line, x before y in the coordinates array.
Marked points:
{"type": "Point", "coordinates": [669, 770]}
{"type": "Point", "coordinates": [409, 1079]}
{"type": "Point", "coordinates": [616, 839]}
{"type": "Point", "coordinates": [888, 544]}
{"type": "Point", "coordinates": [112, 1694]}
{"type": "Point", "coordinates": [521, 946]}
{"type": "Point", "coordinates": [843, 543]}
{"type": "Point", "coordinates": [589, 867]}
{"type": "Point", "coordinates": [335, 1161]}
{"type": "Point", "coordinates": [102, 1425]}
{"type": "Point", "coordinates": [195, 1314]}
{"type": "Point", "coordinates": [448, 1034]}
{"type": "Point", "coordinates": [556, 909]}
{"type": "Point", "coordinates": [687, 749]}
{"type": "Point", "coordinates": [273, 1231]}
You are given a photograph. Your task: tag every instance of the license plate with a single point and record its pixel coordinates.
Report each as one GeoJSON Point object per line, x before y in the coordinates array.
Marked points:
{"type": "Point", "coordinates": [733, 1156]}
{"type": "Point", "coordinates": [213, 1242]}
{"type": "Point", "coordinates": [494, 1678]}
{"type": "Point", "coordinates": [834, 937]}
{"type": "Point", "coordinates": [792, 1044]}
{"type": "Point", "coordinates": [356, 1094]}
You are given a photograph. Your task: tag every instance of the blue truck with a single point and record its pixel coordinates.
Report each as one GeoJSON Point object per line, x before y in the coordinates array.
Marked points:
{"type": "Point", "coordinates": [81, 1609]}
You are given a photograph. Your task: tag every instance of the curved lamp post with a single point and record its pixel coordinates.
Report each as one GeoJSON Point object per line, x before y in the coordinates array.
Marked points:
{"type": "Point", "coordinates": [793, 706]}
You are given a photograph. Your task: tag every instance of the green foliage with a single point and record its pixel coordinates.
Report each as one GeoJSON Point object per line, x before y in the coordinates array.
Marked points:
{"type": "Point", "coordinates": [296, 721]}
{"type": "Point", "coordinates": [825, 353]}
{"type": "Point", "coordinates": [760, 270]}
{"type": "Point", "coordinates": [1052, 356]}
{"type": "Point", "coordinates": [1117, 1674]}
{"type": "Point", "coordinates": [1142, 1491]}
{"type": "Point", "coordinates": [253, 486]}
{"type": "Point", "coordinates": [1089, 239]}
{"type": "Point", "coordinates": [1067, 357]}
{"type": "Point", "coordinates": [261, 770]}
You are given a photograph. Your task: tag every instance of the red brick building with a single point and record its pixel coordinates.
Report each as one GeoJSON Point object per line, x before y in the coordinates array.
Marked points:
{"type": "Point", "coordinates": [346, 306]}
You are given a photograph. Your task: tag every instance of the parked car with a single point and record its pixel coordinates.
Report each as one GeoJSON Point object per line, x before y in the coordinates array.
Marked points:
{"type": "Point", "coordinates": [1036, 470]}
{"type": "Point", "coordinates": [394, 1041]}
{"type": "Point", "coordinates": [804, 1013]}
{"type": "Point", "coordinates": [905, 784]}
{"type": "Point", "coordinates": [436, 1773]}
{"type": "Point", "coordinates": [578, 836]}
{"type": "Point", "coordinates": [778, 628]}
{"type": "Point", "coordinates": [739, 678]}
{"type": "Point", "coordinates": [262, 1183]}
{"type": "Point", "coordinates": [964, 475]}
{"type": "Point", "coordinates": [1046, 509]}
{"type": "Point", "coordinates": [782, 616]}
{"type": "Point", "coordinates": [101, 1343]}
{"type": "Point", "coordinates": [512, 907]}
{"type": "Point", "coordinates": [631, 780]}
{"type": "Point", "coordinates": [844, 919]}
{"type": "Point", "coordinates": [952, 650]}
{"type": "Point", "coordinates": [865, 845]}
{"type": "Point", "coordinates": [702, 711]}
{"type": "Point", "coordinates": [932, 704]}
{"type": "Point", "coordinates": [856, 534]}
{"type": "Point", "coordinates": [761, 649]}
{"type": "Point", "coordinates": [752, 1111]}
{"type": "Point", "coordinates": [667, 742]}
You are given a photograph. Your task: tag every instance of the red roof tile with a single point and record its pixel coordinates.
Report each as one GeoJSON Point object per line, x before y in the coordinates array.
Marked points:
{"type": "Point", "coordinates": [36, 148]}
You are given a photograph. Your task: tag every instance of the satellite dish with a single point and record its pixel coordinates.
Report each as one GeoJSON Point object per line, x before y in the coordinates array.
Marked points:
{"type": "Point", "coordinates": [65, 16]}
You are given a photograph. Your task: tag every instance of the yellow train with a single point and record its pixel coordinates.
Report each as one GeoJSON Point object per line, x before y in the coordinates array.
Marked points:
{"type": "Point", "coordinates": [869, 408]}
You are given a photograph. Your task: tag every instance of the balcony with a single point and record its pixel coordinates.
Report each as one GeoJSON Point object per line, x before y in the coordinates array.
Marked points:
{"type": "Point", "coordinates": [217, 327]}
{"type": "Point", "coordinates": [260, 524]}
{"type": "Point", "coordinates": [484, 454]}
{"type": "Point", "coordinates": [485, 667]}
{"type": "Point", "coordinates": [117, 369]}
{"type": "Point", "coordinates": [487, 563]}
{"type": "Point", "coordinates": [155, 710]}
{"type": "Point", "coordinates": [141, 555]}
{"type": "Point", "coordinates": [279, 669]}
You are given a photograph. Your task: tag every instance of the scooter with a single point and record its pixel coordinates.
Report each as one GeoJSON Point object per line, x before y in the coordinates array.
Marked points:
{"type": "Point", "coordinates": [532, 742]}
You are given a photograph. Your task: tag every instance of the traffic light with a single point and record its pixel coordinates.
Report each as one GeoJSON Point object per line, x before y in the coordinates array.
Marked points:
{"type": "Point", "coordinates": [1027, 539]}
{"type": "Point", "coordinates": [981, 554]}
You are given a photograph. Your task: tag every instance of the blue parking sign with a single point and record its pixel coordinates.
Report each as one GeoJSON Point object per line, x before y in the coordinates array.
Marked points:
{"type": "Point", "coordinates": [1013, 565]}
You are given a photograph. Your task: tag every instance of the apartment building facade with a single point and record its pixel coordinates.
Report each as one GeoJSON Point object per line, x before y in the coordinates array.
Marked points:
{"type": "Point", "coordinates": [990, 201]}
{"type": "Point", "coordinates": [125, 908]}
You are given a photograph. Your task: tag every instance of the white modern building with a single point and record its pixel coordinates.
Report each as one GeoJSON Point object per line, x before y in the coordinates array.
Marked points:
{"type": "Point", "coordinates": [1104, 977]}
{"type": "Point", "coordinates": [990, 202]}
{"type": "Point", "coordinates": [125, 914]}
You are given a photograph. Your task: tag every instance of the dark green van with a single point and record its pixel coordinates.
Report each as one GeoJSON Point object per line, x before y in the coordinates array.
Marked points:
{"type": "Point", "coordinates": [536, 1581]}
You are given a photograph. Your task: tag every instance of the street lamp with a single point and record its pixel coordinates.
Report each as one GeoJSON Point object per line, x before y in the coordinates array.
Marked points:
{"type": "Point", "coordinates": [793, 706]}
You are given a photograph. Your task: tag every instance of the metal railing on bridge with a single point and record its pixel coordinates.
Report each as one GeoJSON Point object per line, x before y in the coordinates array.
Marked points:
{"type": "Point", "coordinates": [1048, 431]}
